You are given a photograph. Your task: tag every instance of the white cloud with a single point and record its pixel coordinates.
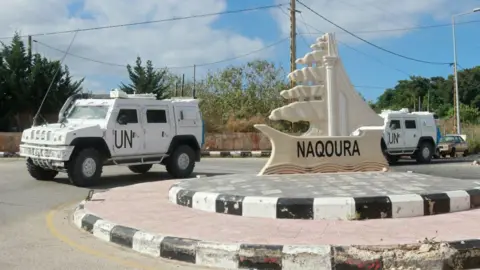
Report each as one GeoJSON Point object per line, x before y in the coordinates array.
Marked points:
{"type": "Point", "coordinates": [361, 15]}
{"type": "Point", "coordinates": [177, 43]}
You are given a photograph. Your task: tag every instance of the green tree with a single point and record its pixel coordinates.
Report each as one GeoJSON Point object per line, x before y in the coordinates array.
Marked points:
{"type": "Point", "coordinates": [24, 82]}
{"type": "Point", "coordinates": [145, 79]}
{"type": "Point", "coordinates": [240, 96]}
{"type": "Point", "coordinates": [468, 114]}
{"type": "Point", "coordinates": [435, 93]}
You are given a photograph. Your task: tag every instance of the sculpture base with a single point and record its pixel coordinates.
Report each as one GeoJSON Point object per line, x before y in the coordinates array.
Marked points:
{"type": "Point", "coordinates": [323, 154]}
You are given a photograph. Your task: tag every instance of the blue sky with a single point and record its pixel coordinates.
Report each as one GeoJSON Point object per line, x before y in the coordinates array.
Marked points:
{"type": "Point", "coordinates": [434, 44]}
{"type": "Point", "coordinates": [371, 77]}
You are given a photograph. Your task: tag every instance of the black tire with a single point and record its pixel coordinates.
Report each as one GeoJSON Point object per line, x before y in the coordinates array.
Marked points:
{"type": "Point", "coordinates": [173, 166]}
{"type": "Point", "coordinates": [444, 155]}
{"type": "Point", "coordinates": [453, 153]}
{"type": "Point", "coordinates": [422, 155]}
{"type": "Point", "coordinates": [465, 153]}
{"type": "Point", "coordinates": [75, 171]}
{"type": "Point", "coordinates": [143, 168]}
{"type": "Point", "coordinates": [392, 159]}
{"type": "Point", "coordinates": [39, 173]}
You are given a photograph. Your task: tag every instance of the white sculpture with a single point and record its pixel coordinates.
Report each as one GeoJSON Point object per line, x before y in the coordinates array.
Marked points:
{"type": "Point", "coordinates": [328, 101]}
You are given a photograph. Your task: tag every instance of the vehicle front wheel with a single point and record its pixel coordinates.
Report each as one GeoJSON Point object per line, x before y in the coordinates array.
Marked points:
{"type": "Point", "coordinates": [425, 153]}
{"type": "Point", "coordinates": [392, 159]}
{"type": "Point", "coordinates": [85, 168]}
{"type": "Point", "coordinates": [453, 153]}
{"type": "Point", "coordinates": [143, 168]}
{"type": "Point", "coordinates": [182, 162]}
{"type": "Point", "coordinates": [40, 173]}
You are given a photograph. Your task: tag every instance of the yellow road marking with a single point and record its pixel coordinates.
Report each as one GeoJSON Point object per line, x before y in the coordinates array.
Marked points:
{"type": "Point", "coordinates": [55, 232]}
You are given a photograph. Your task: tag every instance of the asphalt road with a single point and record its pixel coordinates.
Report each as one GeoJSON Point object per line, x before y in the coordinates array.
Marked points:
{"type": "Point", "coordinates": [35, 231]}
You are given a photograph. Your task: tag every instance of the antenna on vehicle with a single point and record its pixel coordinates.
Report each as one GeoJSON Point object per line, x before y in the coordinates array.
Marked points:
{"type": "Point", "coordinates": [34, 122]}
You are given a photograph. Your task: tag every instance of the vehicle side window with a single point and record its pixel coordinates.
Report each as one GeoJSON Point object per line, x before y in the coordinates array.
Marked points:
{"type": "Point", "coordinates": [127, 116]}
{"type": "Point", "coordinates": [156, 116]}
{"type": "Point", "coordinates": [395, 124]}
{"type": "Point", "coordinates": [410, 124]}
{"type": "Point", "coordinates": [458, 139]}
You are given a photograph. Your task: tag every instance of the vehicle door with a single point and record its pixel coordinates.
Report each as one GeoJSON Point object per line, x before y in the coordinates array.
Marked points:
{"type": "Point", "coordinates": [411, 134]}
{"type": "Point", "coordinates": [188, 120]}
{"type": "Point", "coordinates": [460, 144]}
{"type": "Point", "coordinates": [127, 137]}
{"type": "Point", "coordinates": [393, 135]}
{"type": "Point", "coordinates": [158, 129]}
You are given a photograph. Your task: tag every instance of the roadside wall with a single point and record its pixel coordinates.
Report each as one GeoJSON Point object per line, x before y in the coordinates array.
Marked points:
{"type": "Point", "coordinates": [9, 141]}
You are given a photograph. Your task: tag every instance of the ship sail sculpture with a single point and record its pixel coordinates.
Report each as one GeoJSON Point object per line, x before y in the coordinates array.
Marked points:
{"type": "Point", "coordinates": [327, 100]}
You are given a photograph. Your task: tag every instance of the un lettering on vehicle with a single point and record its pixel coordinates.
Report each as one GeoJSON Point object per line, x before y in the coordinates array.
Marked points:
{"type": "Point", "coordinates": [393, 138]}
{"type": "Point", "coordinates": [124, 138]}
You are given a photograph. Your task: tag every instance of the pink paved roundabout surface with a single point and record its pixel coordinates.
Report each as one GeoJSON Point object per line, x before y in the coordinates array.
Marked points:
{"type": "Point", "coordinates": [146, 207]}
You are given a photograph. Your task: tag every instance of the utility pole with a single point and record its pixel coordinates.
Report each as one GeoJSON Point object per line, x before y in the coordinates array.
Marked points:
{"type": "Point", "coordinates": [428, 100]}
{"type": "Point", "coordinates": [30, 48]}
{"type": "Point", "coordinates": [293, 47]}
{"type": "Point", "coordinates": [183, 84]}
{"type": "Point", "coordinates": [176, 87]}
{"type": "Point", "coordinates": [455, 104]}
{"type": "Point", "coordinates": [194, 75]}
{"type": "Point", "coordinates": [293, 36]}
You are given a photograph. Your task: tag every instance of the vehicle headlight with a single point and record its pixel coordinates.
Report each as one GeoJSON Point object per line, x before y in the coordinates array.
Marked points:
{"type": "Point", "coordinates": [58, 138]}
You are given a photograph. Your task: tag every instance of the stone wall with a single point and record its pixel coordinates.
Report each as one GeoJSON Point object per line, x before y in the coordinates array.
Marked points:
{"type": "Point", "coordinates": [9, 141]}
{"type": "Point", "coordinates": [213, 142]}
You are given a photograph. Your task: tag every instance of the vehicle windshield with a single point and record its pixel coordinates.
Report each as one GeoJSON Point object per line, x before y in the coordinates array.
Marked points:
{"type": "Point", "coordinates": [448, 139]}
{"type": "Point", "coordinates": [88, 112]}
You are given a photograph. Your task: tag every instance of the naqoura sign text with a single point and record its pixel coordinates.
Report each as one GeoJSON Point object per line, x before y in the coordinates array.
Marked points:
{"type": "Point", "coordinates": [340, 148]}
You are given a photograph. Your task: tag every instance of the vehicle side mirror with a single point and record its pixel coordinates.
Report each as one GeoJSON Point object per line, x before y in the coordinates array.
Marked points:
{"type": "Point", "coordinates": [122, 120]}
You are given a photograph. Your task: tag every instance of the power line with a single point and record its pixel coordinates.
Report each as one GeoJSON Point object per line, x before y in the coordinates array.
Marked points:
{"type": "Point", "coordinates": [415, 27]}
{"type": "Point", "coordinates": [356, 50]}
{"type": "Point", "coordinates": [154, 21]}
{"type": "Point", "coordinates": [306, 43]}
{"type": "Point", "coordinates": [370, 43]}
{"type": "Point", "coordinates": [171, 67]}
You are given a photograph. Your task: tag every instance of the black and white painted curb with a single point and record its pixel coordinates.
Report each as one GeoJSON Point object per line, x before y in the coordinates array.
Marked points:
{"type": "Point", "coordinates": [464, 254]}
{"type": "Point", "coordinates": [236, 153]}
{"type": "Point", "coordinates": [343, 208]}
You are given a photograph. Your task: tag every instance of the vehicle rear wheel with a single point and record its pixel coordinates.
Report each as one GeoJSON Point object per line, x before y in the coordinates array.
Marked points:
{"type": "Point", "coordinates": [182, 162]}
{"type": "Point", "coordinates": [85, 168]}
{"type": "Point", "coordinates": [425, 152]}
{"type": "Point", "coordinates": [465, 153]}
{"type": "Point", "coordinates": [453, 153]}
{"type": "Point", "coordinates": [40, 173]}
{"type": "Point", "coordinates": [143, 168]}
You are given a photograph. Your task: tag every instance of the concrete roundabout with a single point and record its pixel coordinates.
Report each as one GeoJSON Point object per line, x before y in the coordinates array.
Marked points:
{"type": "Point", "coordinates": [142, 218]}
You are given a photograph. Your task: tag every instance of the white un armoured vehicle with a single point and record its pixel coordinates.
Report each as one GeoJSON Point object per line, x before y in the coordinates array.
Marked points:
{"type": "Point", "coordinates": [411, 134]}
{"type": "Point", "coordinates": [131, 130]}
